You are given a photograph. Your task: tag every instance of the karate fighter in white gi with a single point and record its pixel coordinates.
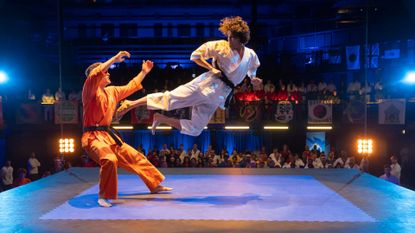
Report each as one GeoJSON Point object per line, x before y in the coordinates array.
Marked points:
{"type": "Point", "coordinates": [233, 61]}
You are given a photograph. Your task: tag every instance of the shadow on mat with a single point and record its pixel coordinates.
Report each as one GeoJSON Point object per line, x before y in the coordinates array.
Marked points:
{"type": "Point", "coordinates": [85, 201]}
{"type": "Point", "coordinates": [90, 200]}
{"type": "Point", "coordinates": [213, 200]}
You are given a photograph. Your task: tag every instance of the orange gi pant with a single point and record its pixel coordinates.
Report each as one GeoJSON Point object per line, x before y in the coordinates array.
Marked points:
{"type": "Point", "coordinates": [109, 157]}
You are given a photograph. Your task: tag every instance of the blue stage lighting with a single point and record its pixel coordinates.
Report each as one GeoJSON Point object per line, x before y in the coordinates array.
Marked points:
{"type": "Point", "coordinates": [409, 78]}
{"type": "Point", "coordinates": [3, 77]}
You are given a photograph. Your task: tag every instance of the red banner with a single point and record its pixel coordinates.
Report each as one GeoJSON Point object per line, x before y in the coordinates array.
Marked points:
{"type": "Point", "coordinates": [141, 115]}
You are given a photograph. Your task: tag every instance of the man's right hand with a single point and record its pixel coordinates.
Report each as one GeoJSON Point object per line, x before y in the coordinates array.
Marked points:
{"type": "Point", "coordinates": [216, 72]}
{"type": "Point", "coordinates": [120, 57]}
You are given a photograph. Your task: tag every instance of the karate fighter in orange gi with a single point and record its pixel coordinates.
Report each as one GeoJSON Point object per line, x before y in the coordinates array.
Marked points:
{"type": "Point", "coordinates": [99, 139]}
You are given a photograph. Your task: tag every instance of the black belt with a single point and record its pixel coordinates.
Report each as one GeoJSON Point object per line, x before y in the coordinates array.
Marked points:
{"type": "Point", "coordinates": [228, 83]}
{"type": "Point", "coordinates": [110, 130]}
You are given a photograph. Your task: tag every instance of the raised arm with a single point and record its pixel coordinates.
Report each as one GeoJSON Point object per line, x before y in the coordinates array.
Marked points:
{"type": "Point", "coordinates": [103, 67]}
{"type": "Point", "coordinates": [204, 52]}
{"type": "Point", "coordinates": [95, 76]}
{"type": "Point", "coordinates": [122, 92]}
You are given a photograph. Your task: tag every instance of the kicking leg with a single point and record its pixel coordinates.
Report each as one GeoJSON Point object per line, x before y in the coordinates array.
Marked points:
{"type": "Point", "coordinates": [127, 105]}
{"type": "Point", "coordinates": [160, 119]}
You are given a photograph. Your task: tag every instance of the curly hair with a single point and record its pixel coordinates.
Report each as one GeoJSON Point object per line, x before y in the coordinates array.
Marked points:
{"type": "Point", "coordinates": [237, 26]}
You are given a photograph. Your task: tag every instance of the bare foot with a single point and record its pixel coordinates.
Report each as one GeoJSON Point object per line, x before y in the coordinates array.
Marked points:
{"type": "Point", "coordinates": [103, 202]}
{"type": "Point", "coordinates": [161, 188]}
{"type": "Point", "coordinates": [156, 122]}
{"type": "Point", "coordinates": [122, 110]}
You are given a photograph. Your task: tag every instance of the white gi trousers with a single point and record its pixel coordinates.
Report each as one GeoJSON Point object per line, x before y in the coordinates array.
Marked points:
{"type": "Point", "coordinates": [189, 95]}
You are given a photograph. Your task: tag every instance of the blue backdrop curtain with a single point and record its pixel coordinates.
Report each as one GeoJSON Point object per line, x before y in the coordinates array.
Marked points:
{"type": "Point", "coordinates": [240, 140]}
{"type": "Point", "coordinates": [173, 137]}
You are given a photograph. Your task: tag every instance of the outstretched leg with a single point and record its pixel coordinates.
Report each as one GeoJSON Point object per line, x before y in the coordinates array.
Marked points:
{"type": "Point", "coordinates": [127, 105]}
{"type": "Point", "coordinates": [160, 119]}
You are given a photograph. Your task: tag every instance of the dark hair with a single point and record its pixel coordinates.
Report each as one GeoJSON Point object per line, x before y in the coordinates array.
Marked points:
{"type": "Point", "coordinates": [237, 26]}
{"type": "Point", "coordinates": [91, 67]}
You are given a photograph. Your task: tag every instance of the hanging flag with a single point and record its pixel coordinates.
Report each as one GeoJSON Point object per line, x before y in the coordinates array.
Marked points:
{"type": "Point", "coordinates": [354, 112]}
{"type": "Point", "coordinates": [353, 57]}
{"type": "Point", "coordinates": [250, 112]}
{"type": "Point", "coordinates": [29, 114]}
{"type": "Point", "coordinates": [66, 112]}
{"type": "Point", "coordinates": [141, 115]}
{"type": "Point", "coordinates": [218, 117]}
{"type": "Point", "coordinates": [319, 113]}
{"type": "Point", "coordinates": [284, 112]}
{"type": "Point", "coordinates": [392, 112]}
{"type": "Point", "coordinates": [372, 56]}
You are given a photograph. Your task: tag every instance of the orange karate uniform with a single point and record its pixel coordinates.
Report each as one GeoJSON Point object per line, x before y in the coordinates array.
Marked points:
{"type": "Point", "coordinates": [99, 106]}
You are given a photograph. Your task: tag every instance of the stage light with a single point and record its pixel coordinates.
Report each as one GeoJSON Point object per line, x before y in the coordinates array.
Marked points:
{"type": "Point", "coordinates": [123, 127]}
{"type": "Point", "coordinates": [409, 78]}
{"type": "Point", "coordinates": [236, 127]}
{"type": "Point", "coordinates": [280, 127]}
{"type": "Point", "coordinates": [3, 77]}
{"type": "Point", "coordinates": [320, 127]}
{"type": "Point", "coordinates": [365, 146]}
{"type": "Point", "coordinates": [161, 127]}
{"type": "Point", "coordinates": [66, 145]}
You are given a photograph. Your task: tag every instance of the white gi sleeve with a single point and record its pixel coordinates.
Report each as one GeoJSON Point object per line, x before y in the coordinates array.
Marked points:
{"type": "Point", "coordinates": [253, 65]}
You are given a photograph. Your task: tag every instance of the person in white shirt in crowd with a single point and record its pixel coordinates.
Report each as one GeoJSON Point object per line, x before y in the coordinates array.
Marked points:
{"type": "Point", "coordinates": [7, 176]}
{"type": "Point", "coordinates": [317, 162]}
{"type": "Point", "coordinates": [60, 95]}
{"type": "Point", "coordinates": [33, 167]}
{"type": "Point", "coordinates": [341, 161]}
{"type": "Point", "coordinates": [269, 86]}
{"type": "Point", "coordinates": [321, 86]}
{"type": "Point", "coordinates": [258, 87]}
{"type": "Point", "coordinates": [388, 175]}
{"type": "Point", "coordinates": [331, 87]}
{"type": "Point", "coordinates": [290, 163]}
{"type": "Point", "coordinates": [165, 150]}
{"type": "Point", "coordinates": [352, 164]}
{"type": "Point", "coordinates": [324, 161]}
{"type": "Point", "coordinates": [312, 87]}
{"type": "Point", "coordinates": [182, 152]}
{"type": "Point", "coordinates": [299, 163]}
{"type": "Point", "coordinates": [291, 87]}
{"type": "Point", "coordinates": [395, 167]}
{"type": "Point", "coordinates": [353, 89]}
{"type": "Point", "coordinates": [195, 152]}
{"type": "Point", "coordinates": [310, 161]}
{"type": "Point", "coordinates": [275, 156]}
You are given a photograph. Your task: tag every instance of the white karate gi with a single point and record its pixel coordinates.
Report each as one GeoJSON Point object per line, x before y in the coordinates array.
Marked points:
{"type": "Point", "coordinates": [206, 92]}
